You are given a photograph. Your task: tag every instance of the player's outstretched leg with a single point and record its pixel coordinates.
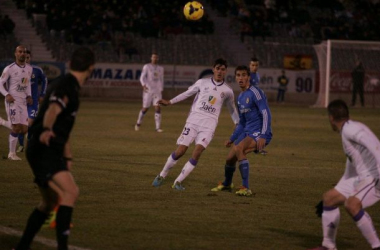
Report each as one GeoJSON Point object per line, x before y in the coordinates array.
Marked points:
{"type": "Point", "coordinates": [12, 147]}
{"type": "Point", "coordinates": [187, 169]}
{"type": "Point", "coordinates": [157, 119]}
{"type": "Point", "coordinates": [170, 162]}
{"type": "Point", "coordinates": [140, 119]}
{"type": "Point", "coordinates": [227, 185]}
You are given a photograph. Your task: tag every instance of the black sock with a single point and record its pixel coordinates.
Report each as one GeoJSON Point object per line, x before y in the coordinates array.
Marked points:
{"type": "Point", "coordinates": [35, 221]}
{"type": "Point", "coordinates": [63, 226]}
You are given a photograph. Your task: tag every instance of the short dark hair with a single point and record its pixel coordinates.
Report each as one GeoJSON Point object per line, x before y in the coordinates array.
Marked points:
{"type": "Point", "coordinates": [82, 59]}
{"type": "Point", "coordinates": [254, 59]}
{"type": "Point", "coordinates": [242, 68]}
{"type": "Point", "coordinates": [220, 61]}
{"type": "Point", "coordinates": [338, 109]}
{"type": "Point", "coordinates": [28, 52]}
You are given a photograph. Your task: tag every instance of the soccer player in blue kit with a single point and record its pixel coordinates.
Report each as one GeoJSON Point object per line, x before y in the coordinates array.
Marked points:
{"type": "Point", "coordinates": [254, 76]}
{"type": "Point", "coordinates": [38, 77]}
{"type": "Point", "coordinates": [252, 133]}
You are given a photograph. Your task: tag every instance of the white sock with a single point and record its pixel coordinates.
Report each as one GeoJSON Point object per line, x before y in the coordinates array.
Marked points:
{"type": "Point", "coordinates": [140, 118]}
{"type": "Point", "coordinates": [330, 223]}
{"type": "Point", "coordinates": [187, 169]}
{"type": "Point", "coordinates": [12, 142]}
{"type": "Point", "coordinates": [157, 119]}
{"type": "Point", "coordinates": [168, 165]}
{"type": "Point", "coordinates": [365, 225]}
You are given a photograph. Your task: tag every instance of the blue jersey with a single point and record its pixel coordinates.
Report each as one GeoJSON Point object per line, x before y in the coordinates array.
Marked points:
{"type": "Point", "coordinates": [38, 77]}
{"type": "Point", "coordinates": [255, 79]}
{"type": "Point", "coordinates": [254, 113]}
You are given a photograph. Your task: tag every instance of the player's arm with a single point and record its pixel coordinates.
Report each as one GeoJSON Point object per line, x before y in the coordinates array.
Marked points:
{"type": "Point", "coordinates": [267, 120]}
{"type": "Point", "coordinates": [43, 80]}
{"type": "Point", "coordinates": [232, 109]}
{"type": "Point", "coordinates": [371, 143]}
{"type": "Point", "coordinates": [29, 98]}
{"type": "Point", "coordinates": [143, 77]}
{"type": "Point", "coordinates": [3, 79]}
{"type": "Point", "coordinates": [57, 103]}
{"type": "Point", "coordinates": [190, 92]}
{"type": "Point", "coordinates": [238, 129]}
{"type": "Point", "coordinates": [161, 87]}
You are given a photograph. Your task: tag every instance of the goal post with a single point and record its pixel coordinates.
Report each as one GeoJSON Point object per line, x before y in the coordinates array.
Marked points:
{"type": "Point", "coordinates": [336, 60]}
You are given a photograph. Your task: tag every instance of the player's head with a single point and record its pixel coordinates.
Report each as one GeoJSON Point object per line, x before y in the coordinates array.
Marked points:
{"type": "Point", "coordinates": [242, 76]}
{"type": "Point", "coordinates": [154, 58]}
{"type": "Point", "coordinates": [219, 69]}
{"type": "Point", "coordinates": [83, 59]}
{"type": "Point", "coordinates": [254, 65]}
{"type": "Point", "coordinates": [28, 56]}
{"type": "Point", "coordinates": [20, 53]}
{"type": "Point", "coordinates": [338, 113]}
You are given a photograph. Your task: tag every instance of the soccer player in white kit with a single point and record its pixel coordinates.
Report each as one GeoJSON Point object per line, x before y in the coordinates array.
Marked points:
{"type": "Point", "coordinates": [15, 86]}
{"type": "Point", "coordinates": [152, 81]}
{"type": "Point", "coordinates": [201, 123]}
{"type": "Point", "coordinates": [359, 186]}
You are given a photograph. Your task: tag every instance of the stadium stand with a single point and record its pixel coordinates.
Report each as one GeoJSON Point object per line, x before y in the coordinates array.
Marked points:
{"type": "Point", "coordinates": [128, 32]}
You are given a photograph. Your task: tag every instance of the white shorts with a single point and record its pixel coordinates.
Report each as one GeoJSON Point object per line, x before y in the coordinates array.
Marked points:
{"type": "Point", "coordinates": [367, 190]}
{"type": "Point", "coordinates": [193, 132]}
{"type": "Point", "coordinates": [17, 113]}
{"type": "Point", "coordinates": [151, 98]}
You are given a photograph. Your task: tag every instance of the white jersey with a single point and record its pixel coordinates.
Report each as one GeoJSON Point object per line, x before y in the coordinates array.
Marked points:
{"type": "Point", "coordinates": [208, 102]}
{"type": "Point", "coordinates": [17, 82]}
{"type": "Point", "coordinates": [362, 148]}
{"type": "Point", "coordinates": [152, 76]}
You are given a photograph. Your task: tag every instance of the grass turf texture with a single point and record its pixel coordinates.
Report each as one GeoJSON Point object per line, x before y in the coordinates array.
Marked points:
{"type": "Point", "coordinates": [118, 208]}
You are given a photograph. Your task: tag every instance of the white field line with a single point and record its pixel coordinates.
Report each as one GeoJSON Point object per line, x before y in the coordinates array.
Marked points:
{"type": "Point", "coordinates": [42, 240]}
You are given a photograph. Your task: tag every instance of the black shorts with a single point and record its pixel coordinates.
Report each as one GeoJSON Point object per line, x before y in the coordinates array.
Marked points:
{"type": "Point", "coordinates": [45, 161]}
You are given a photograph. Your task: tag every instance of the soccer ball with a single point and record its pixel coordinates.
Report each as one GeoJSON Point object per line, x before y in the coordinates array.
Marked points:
{"type": "Point", "coordinates": [193, 10]}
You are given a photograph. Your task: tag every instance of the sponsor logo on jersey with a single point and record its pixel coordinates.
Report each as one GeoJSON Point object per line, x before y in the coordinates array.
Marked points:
{"type": "Point", "coordinates": [208, 108]}
{"type": "Point", "coordinates": [211, 99]}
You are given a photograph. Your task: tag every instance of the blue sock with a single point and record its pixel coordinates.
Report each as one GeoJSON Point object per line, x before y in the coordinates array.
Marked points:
{"type": "Point", "coordinates": [244, 171]}
{"type": "Point", "coordinates": [228, 173]}
{"type": "Point", "coordinates": [21, 139]}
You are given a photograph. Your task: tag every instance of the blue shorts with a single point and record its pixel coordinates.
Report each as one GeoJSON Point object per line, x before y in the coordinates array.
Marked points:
{"type": "Point", "coordinates": [33, 110]}
{"type": "Point", "coordinates": [254, 135]}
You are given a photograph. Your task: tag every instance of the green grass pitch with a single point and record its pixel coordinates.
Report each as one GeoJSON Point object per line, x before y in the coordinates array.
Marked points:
{"type": "Point", "coordinates": [119, 209]}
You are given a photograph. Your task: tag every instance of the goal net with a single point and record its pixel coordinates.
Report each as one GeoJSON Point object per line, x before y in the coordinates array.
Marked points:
{"type": "Point", "coordinates": [337, 60]}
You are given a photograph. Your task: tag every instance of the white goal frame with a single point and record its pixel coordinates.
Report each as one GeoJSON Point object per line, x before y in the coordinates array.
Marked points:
{"type": "Point", "coordinates": [323, 51]}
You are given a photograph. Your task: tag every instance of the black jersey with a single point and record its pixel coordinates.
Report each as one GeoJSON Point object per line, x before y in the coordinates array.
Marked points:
{"type": "Point", "coordinates": [66, 86]}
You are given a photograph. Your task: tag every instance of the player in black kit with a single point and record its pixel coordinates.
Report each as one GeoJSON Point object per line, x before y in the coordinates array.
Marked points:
{"type": "Point", "coordinates": [48, 150]}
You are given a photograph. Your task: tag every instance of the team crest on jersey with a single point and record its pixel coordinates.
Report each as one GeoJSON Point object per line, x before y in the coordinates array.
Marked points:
{"type": "Point", "coordinates": [247, 100]}
{"type": "Point", "coordinates": [211, 99]}
{"type": "Point", "coordinates": [24, 80]}
{"type": "Point", "coordinates": [33, 76]}
{"type": "Point", "coordinates": [222, 95]}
